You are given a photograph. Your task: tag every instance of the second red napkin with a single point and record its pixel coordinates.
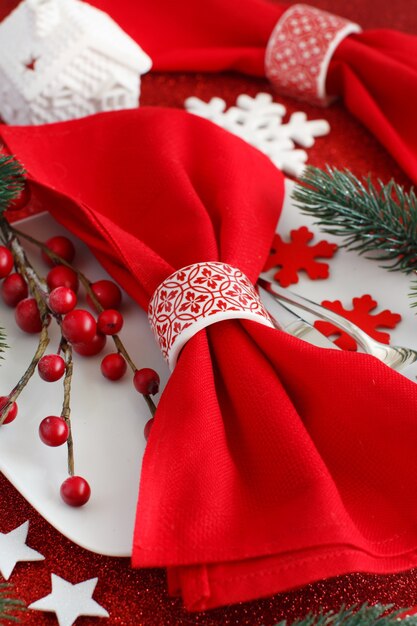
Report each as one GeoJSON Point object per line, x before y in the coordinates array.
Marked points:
{"type": "Point", "coordinates": [374, 72]}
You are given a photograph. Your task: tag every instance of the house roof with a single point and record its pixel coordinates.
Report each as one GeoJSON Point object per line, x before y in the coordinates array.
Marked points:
{"type": "Point", "coordinates": [109, 39]}
{"type": "Point", "coordinates": [83, 28]}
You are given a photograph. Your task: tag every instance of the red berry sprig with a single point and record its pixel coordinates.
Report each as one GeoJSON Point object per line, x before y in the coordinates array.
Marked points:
{"type": "Point", "coordinates": [110, 322]}
{"type": "Point", "coordinates": [104, 294]}
{"type": "Point", "coordinates": [113, 366]}
{"type": "Point", "coordinates": [28, 316]}
{"type": "Point", "coordinates": [10, 414]}
{"type": "Point", "coordinates": [35, 306]}
{"type": "Point", "coordinates": [62, 276]}
{"type": "Point", "coordinates": [105, 297]}
{"type": "Point", "coordinates": [6, 261]}
{"type": "Point", "coordinates": [146, 381]}
{"type": "Point", "coordinates": [14, 289]}
{"type": "Point", "coordinates": [62, 247]}
{"type": "Point", "coordinates": [33, 315]}
{"type": "Point", "coordinates": [51, 367]}
{"type": "Point", "coordinates": [62, 300]}
{"type": "Point", "coordinates": [53, 431]}
{"type": "Point", "coordinates": [75, 491]}
{"type": "Point", "coordinates": [92, 347]}
{"type": "Point", "coordinates": [79, 326]}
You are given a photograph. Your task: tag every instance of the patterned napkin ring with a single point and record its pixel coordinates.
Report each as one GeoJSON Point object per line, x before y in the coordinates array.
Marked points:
{"type": "Point", "coordinates": [196, 296]}
{"type": "Point", "coordinates": [299, 51]}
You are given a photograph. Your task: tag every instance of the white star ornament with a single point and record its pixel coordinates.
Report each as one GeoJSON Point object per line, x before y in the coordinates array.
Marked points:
{"type": "Point", "coordinates": [13, 549]}
{"type": "Point", "coordinates": [70, 601]}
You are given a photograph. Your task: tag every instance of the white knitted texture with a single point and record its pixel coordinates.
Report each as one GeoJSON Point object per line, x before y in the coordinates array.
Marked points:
{"type": "Point", "coordinates": [64, 59]}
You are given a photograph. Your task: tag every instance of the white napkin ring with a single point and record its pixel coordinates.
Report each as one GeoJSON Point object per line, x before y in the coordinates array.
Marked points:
{"type": "Point", "coordinates": [299, 51]}
{"type": "Point", "coordinates": [196, 296]}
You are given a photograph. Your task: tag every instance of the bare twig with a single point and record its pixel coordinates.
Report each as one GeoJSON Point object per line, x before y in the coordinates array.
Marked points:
{"type": "Point", "coordinates": [17, 390]}
{"type": "Point", "coordinates": [66, 407]}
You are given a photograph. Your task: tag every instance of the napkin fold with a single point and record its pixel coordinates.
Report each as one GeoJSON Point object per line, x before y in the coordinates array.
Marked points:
{"type": "Point", "coordinates": [374, 73]}
{"type": "Point", "coordinates": [271, 463]}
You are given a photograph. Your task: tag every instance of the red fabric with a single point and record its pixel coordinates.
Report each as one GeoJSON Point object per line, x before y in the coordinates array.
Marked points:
{"type": "Point", "coordinates": [271, 462]}
{"type": "Point", "coordinates": [207, 36]}
{"type": "Point", "coordinates": [375, 72]}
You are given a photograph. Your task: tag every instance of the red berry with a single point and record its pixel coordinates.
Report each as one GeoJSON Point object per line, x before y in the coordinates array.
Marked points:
{"type": "Point", "coordinates": [21, 200]}
{"type": "Point", "coordinates": [62, 246]}
{"type": "Point", "coordinates": [62, 276]}
{"type": "Point", "coordinates": [92, 347]}
{"type": "Point", "coordinates": [6, 261]}
{"type": "Point", "coordinates": [12, 411]}
{"type": "Point", "coordinates": [14, 289]}
{"type": "Point", "coordinates": [147, 429]}
{"type": "Point", "coordinates": [27, 316]}
{"type": "Point", "coordinates": [107, 293]}
{"type": "Point", "coordinates": [75, 491]}
{"type": "Point", "coordinates": [62, 300]}
{"type": "Point", "coordinates": [110, 322]}
{"type": "Point", "coordinates": [51, 367]}
{"type": "Point", "coordinates": [79, 326]}
{"type": "Point", "coordinates": [53, 431]}
{"type": "Point", "coordinates": [146, 381]}
{"type": "Point", "coordinates": [113, 366]}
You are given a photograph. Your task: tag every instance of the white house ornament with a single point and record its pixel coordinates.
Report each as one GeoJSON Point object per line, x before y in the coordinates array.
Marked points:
{"type": "Point", "coordinates": [64, 59]}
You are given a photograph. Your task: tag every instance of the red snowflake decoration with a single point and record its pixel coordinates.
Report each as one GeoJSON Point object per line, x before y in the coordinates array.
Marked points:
{"type": "Point", "coordinates": [360, 315]}
{"type": "Point", "coordinates": [296, 255]}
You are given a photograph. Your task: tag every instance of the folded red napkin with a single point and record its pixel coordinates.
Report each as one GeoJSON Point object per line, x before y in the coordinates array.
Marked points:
{"type": "Point", "coordinates": [375, 72]}
{"type": "Point", "coordinates": [271, 463]}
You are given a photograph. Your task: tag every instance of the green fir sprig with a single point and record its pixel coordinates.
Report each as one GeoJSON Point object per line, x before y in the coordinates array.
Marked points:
{"type": "Point", "coordinates": [378, 221]}
{"type": "Point", "coordinates": [9, 604]}
{"type": "Point", "coordinates": [365, 615]}
{"type": "Point", "coordinates": [3, 344]}
{"type": "Point", "coordinates": [12, 180]}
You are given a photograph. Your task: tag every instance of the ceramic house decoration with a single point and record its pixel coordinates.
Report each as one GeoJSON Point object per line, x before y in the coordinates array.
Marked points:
{"type": "Point", "coordinates": [64, 59]}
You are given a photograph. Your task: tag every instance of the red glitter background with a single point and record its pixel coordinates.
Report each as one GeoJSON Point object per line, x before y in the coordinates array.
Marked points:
{"type": "Point", "coordinates": [139, 597]}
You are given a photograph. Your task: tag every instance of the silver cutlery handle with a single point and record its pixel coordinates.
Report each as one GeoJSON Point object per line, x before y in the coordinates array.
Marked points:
{"type": "Point", "coordinates": [317, 309]}
{"type": "Point", "coordinates": [396, 357]}
{"type": "Point", "coordinates": [285, 319]}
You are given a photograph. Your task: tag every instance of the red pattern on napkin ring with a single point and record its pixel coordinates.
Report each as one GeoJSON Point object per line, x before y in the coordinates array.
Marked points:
{"type": "Point", "coordinates": [299, 51]}
{"type": "Point", "coordinates": [195, 297]}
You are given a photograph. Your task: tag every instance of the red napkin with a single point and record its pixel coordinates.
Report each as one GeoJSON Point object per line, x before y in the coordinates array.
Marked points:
{"type": "Point", "coordinates": [271, 463]}
{"type": "Point", "coordinates": [375, 73]}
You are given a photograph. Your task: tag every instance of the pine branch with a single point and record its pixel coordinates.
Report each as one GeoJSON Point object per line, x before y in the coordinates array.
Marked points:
{"type": "Point", "coordinates": [11, 184]}
{"type": "Point", "coordinates": [3, 344]}
{"type": "Point", "coordinates": [11, 180]}
{"type": "Point", "coordinates": [366, 615]}
{"type": "Point", "coordinates": [378, 221]}
{"type": "Point", "coordinates": [9, 605]}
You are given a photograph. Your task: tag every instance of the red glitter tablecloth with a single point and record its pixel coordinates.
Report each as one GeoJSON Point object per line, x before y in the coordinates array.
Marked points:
{"type": "Point", "coordinates": [139, 597]}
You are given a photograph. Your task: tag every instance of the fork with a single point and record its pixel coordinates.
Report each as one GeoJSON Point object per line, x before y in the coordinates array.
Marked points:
{"type": "Point", "coordinates": [396, 357]}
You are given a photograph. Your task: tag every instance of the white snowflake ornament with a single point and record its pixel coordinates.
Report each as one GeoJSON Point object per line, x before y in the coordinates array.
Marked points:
{"type": "Point", "coordinates": [259, 121]}
{"type": "Point", "coordinates": [64, 59]}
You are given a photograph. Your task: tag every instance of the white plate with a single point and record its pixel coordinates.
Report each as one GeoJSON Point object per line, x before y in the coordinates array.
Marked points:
{"type": "Point", "coordinates": [108, 418]}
